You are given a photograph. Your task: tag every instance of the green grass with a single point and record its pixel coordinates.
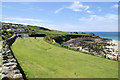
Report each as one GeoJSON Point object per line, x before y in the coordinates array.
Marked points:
{"type": "Point", "coordinates": [39, 59]}
{"type": "Point", "coordinates": [38, 30]}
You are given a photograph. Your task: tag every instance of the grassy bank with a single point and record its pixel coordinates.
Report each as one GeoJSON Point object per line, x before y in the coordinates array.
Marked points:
{"type": "Point", "coordinates": [39, 59]}
{"type": "Point", "coordinates": [42, 30]}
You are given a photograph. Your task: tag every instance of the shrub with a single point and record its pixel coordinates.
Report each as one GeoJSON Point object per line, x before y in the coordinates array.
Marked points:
{"type": "Point", "coordinates": [104, 56]}
{"type": "Point", "coordinates": [114, 59]}
{"type": "Point", "coordinates": [6, 34]}
{"type": "Point", "coordinates": [65, 46]}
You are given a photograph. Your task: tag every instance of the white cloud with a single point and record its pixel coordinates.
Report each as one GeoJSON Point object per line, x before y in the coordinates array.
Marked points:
{"type": "Point", "coordinates": [108, 17]}
{"type": "Point", "coordinates": [115, 6]}
{"type": "Point", "coordinates": [23, 19]}
{"type": "Point", "coordinates": [58, 10]}
{"type": "Point", "coordinates": [76, 6]}
{"type": "Point", "coordinates": [92, 23]}
{"type": "Point", "coordinates": [108, 22]}
{"type": "Point", "coordinates": [15, 22]}
{"type": "Point", "coordinates": [88, 11]}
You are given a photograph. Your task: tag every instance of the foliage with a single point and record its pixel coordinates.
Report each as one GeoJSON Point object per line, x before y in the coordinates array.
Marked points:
{"type": "Point", "coordinates": [105, 56]}
{"type": "Point", "coordinates": [6, 34]}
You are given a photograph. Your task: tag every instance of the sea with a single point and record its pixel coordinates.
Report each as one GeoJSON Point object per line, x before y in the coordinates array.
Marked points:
{"type": "Point", "coordinates": [109, 35]}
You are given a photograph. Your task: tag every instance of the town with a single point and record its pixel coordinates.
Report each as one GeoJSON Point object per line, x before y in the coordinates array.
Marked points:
{"type": "Point", "coordinates": [19, 29]}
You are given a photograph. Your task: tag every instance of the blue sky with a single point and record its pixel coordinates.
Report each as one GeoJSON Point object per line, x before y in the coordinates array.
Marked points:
{"type": "Point", "coordinates": [64, 16]}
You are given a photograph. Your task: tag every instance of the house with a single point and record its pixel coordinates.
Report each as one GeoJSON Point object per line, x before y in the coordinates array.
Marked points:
{"type": "Point", "coordinates": [9, 30]}
{"type": "Point", "coordinates": [18, 28]}
{"type": "Point", "coordinates": [5, 26]}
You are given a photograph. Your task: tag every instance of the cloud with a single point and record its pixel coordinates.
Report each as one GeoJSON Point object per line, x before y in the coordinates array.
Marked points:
{"type": "Point", "coordinates": [76, 6]}
{"type": "Point", "coordinates": [23, 19]}
{"type": "Point", "coordinates": [92, 23]}
{"type": "Point", "coordinates": [88, 11]}
{"type": "Point", "coordinates": [115, 6]}
{"type": "Point", "coordinates": [108, 17]}
{"type": "Point", "coordinates": [14, 22]}
{"type": "Point", "coordinates": [108, 22]}
{"type": "Point", "coordinates": [58, 10]}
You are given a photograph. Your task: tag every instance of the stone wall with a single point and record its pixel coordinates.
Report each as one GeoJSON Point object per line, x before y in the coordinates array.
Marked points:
{"type": "Point", "coordinates": [10, 70]}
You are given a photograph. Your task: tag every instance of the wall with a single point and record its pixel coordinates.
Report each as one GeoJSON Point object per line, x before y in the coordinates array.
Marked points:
{"type": "Point", "coordinates": [10, 67]}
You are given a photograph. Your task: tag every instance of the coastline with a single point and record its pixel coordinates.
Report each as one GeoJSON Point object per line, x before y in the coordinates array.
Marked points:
{"type": "Point", "coordinates": [99, 46]}
{"type": "Point", "coordinates": [117, 44]}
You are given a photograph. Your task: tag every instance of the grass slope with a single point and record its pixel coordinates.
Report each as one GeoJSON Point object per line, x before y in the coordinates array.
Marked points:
{"type": "Point", "coordinates": [39, 59]}
{"type": "Point", "coordinates": [42, 30]}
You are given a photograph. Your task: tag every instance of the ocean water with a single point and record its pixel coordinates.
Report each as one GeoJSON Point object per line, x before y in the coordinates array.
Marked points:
{"type": "Point", "coordinates": [108, 35]}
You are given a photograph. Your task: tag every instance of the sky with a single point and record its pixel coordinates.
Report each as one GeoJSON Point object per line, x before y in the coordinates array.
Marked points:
{"type": "Point", "coordinates": [64, 16]}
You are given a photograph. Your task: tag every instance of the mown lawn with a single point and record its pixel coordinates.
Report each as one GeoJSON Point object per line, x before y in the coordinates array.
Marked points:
{"type": "Point", "coordinates": [39, 59]}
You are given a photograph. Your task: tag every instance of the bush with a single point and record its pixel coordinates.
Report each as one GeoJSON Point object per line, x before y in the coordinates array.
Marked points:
{"type": "Point", "coordinates": [114, 59]}
{"type": "Point", "coordinates": [64, 46]}
{"type": "Point", "coordinates": [10, 32]}
{"type": "Point", "coordinates": [104, 56]}
{"type": "Point", "coordinates": [6, 34]}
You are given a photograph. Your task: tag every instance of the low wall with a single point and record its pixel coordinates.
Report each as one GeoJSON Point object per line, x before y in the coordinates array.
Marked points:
{"type": "Point", "coordinates": [10, 70]}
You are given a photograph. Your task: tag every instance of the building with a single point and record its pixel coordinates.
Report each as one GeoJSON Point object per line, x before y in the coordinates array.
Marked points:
{"type": "Point", "coordinates": [6, 26]}
{"type": "Point", "coordinates": [19, 28]}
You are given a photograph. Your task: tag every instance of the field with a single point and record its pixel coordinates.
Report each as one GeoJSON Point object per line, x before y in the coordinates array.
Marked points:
{"type": "Point", "coordinates": [39, 59]}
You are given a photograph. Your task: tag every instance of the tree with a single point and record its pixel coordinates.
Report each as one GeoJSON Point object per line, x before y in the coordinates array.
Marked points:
{"type": "Point", "coordinates": [83, 33]}
{"type": "Point", "coordinates": [75, 32]}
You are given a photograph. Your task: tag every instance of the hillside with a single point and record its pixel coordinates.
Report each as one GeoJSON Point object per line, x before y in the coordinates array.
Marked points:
{"type": "Point", "coordinates": [42, 30]}
{"type": "Point", "coordinates": [39, 59]}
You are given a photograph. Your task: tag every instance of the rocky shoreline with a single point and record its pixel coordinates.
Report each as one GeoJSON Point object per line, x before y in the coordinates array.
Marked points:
{"type": "Point", "coordinates": [96, 46]}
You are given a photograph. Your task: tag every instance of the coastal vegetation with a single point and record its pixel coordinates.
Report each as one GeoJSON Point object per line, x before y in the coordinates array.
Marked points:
{"type": "Point", "coordinates": [39, 59]}
{"type": "Point", "coordinates": [41, 30]}
{"type": "Point", "coordinates": [6, 34]}
{"type": "Point", "coordinates": [51, 35]}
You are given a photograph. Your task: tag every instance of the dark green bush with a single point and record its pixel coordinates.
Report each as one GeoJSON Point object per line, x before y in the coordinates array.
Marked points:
{"type": "Point", "coordinates": [6, 34]}
{"type": "Point", "coordinates": [104, 56]}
